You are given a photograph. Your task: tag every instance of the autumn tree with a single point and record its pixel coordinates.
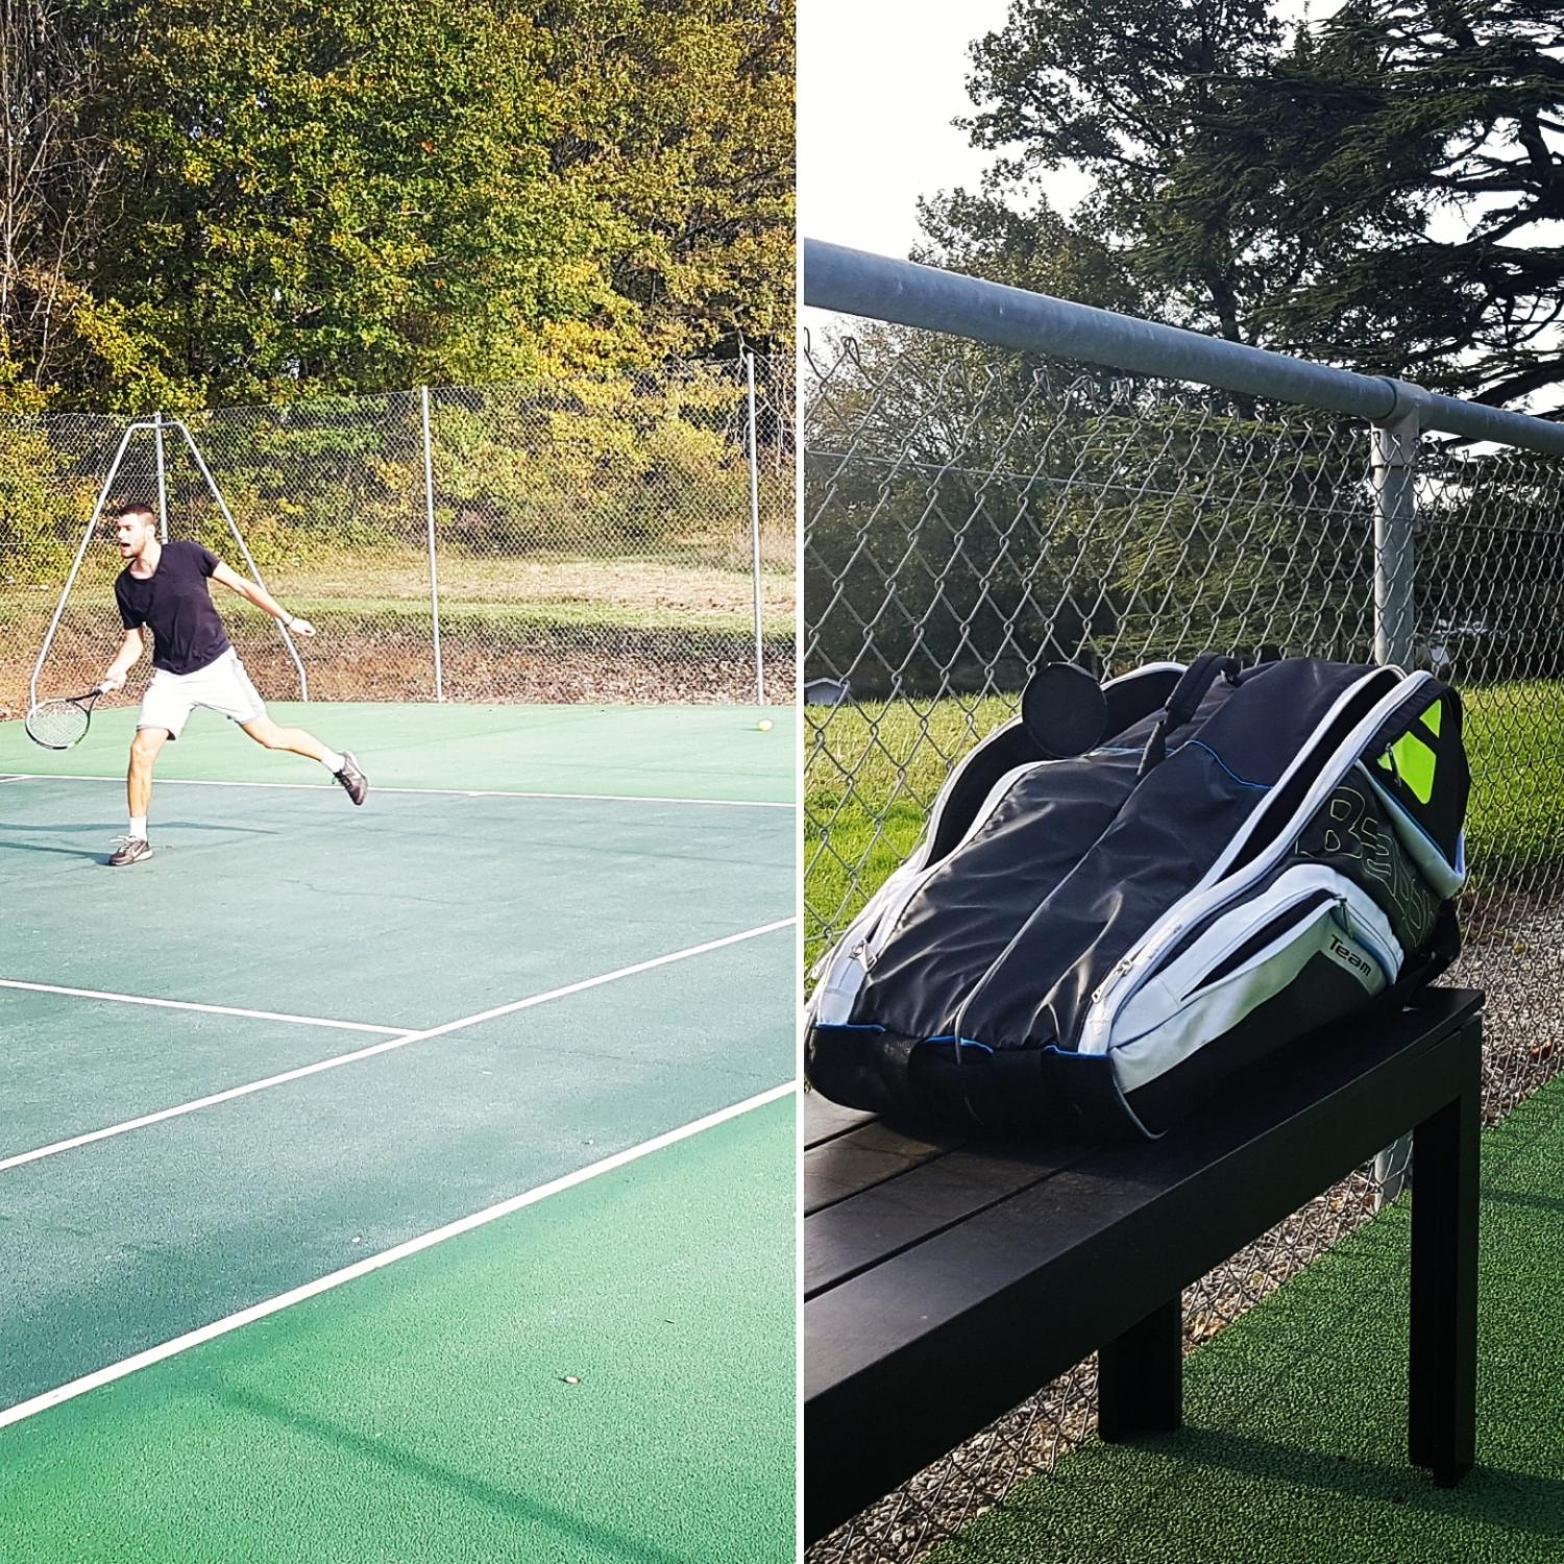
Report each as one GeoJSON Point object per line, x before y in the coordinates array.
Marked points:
{"type": "Point", "coordinates": [217, 200]}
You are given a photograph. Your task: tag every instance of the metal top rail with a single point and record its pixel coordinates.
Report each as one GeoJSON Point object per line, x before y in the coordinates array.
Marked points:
{"type": "Point", "coordinates": [855, 282]}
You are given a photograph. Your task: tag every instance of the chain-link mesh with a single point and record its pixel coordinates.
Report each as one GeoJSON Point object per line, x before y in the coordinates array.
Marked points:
{"type": "Point", "coordinates": [51, 472]}
{"type": "Point", "coordinates": [776, 411]}
{"type": "Point", "coordinates": [971, 512]}
{"type": "Point", "coordinates": [327, 498]}
{"type": "Point", "coordinates": [597, 542]}
{"type": "Point", "coordinates": [1489, 599]}
{"type": "Point", "coordinates": [591, 541]}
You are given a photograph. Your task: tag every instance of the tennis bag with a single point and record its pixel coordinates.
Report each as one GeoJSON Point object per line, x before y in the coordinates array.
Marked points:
{"type": "Point", "coordinates": [1096, 940]}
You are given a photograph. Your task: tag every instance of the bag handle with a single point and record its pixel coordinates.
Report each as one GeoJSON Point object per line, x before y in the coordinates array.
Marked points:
{"type": "Point", "coordinates": [1185, 701]}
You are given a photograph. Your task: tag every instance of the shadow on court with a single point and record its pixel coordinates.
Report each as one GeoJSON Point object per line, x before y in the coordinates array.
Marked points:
{"type": "Point", "coordinates": [602, 1540]}
{"type": "Point", "coordinates": [103, 833]}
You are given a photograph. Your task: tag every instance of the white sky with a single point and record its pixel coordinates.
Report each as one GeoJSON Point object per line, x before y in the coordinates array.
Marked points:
{"type": "Point", "coordinates": [877, 93]}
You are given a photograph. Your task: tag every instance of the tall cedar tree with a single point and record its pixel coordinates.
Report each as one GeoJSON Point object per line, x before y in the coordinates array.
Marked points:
{"type": "Point", "coordinates": [1376, 191]}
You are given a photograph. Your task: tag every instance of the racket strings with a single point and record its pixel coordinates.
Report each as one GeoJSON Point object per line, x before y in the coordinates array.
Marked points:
{"type": "Point", "coordinates": [57, 724]}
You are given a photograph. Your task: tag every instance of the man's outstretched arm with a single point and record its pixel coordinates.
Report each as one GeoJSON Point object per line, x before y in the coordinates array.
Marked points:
{"type": "Point", "coordinates": [125, 659]}
{"type": "Point", "coordinates": [252, 592]}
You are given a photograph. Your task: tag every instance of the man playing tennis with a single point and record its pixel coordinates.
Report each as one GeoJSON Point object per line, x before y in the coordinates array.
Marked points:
{"type": "Point", "coordinates": [164, 586]}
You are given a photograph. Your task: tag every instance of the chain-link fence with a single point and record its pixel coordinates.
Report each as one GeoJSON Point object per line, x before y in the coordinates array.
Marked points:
{"type": "Point", "coordinates": [972, 510]}
{"type": "Point", "coordinates": [626, 540]}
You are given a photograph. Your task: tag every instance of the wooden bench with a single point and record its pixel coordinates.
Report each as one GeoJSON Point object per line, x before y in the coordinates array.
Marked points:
{"type": "Point", "coordinates": [947, 1279]}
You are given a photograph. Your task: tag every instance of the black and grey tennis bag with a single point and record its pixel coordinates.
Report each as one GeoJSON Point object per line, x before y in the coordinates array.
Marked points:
{"type": "Point", "coordinates": [1240, 856]}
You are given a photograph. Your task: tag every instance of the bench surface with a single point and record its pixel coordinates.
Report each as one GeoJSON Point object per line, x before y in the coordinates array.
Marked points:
{"type": "Point", "coordinates": [946, 1277]}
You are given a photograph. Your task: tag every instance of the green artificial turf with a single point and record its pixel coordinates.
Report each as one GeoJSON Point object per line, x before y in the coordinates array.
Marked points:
{"type": "Point", "coordinates": [1294, 1450]}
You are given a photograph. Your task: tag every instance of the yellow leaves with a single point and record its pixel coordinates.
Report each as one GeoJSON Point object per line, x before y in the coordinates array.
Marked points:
{"type": "Point", "coordinates": [107, 333]}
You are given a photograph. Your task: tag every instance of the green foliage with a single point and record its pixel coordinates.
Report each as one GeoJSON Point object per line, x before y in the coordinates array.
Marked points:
{"type": "Point", "coordinates": [1036, 249]}
{"type": "Point", "coordinates": [1414, 145]}
{"type": "Point", "coordinates": [349, 196]}
{"type": "Point", "coordinates": [45, 496]}
{"type": "Point", "coordinates": [33, 543]}
{"type": "Point", "coordinates": [1132, 94]}
{"type": "Point", "coordinates": [679, 121]}
{"type": "Point", "coordinates": [356, 195]}
{"type": "Point", "coordinates": [610, 464]}
{"type": "Point", "coordinates": [310, 482]}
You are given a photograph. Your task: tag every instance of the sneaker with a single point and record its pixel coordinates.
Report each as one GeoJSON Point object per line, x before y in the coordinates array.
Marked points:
{"type": "Point", "coordinates": [352, 779]}
{"type": "Point", "coordinates": [129, 849]}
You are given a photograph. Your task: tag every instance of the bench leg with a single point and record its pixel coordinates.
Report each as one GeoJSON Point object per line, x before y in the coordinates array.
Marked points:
{"type": "Point", "coordinates": [1442, 1381]}
{"type": "Point", "coordinates": [1140, 1377]}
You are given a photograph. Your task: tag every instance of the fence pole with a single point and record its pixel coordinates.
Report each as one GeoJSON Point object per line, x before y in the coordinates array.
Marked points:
{"type": "Point", "coordinates": [1395, 506]}
{"type": "Point", "coordinates": [434, 574]}
{"type": "Point", "coordinates": [81, 551]}
{"type": "Point", "coordinates": [904, 292]}
{"type": "Point", "coordinates": [162, 479]}
{"type": "Point", "coordinates": [754, 528]}
{"type": "Point", "coordinates": [1395, 640]}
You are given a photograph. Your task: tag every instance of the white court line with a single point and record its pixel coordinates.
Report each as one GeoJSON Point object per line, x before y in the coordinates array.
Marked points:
{"type": "Point", "coordinates": [259, 1311]}
{"type": "Point", "coordinates": [438, 792]}
{"type": "Point", "coordinates": [338, 1060]}
{"type": "Point", "coordinates": [188, 1004]}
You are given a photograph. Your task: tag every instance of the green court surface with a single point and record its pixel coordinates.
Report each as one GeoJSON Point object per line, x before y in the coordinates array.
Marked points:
{"type": "Point", "coordinates": [679, 751]}
{"type": "Point", "coordinates": [423, 1412]}
{"type": "Point", "coordinates": [304, 1036]}
{"type": "Point", "coordinates": [1295, 1444]}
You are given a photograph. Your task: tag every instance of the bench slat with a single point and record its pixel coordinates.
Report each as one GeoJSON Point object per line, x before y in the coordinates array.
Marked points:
{"type": "Point", "coordinates": [864, 1156]}
{"type": "Point", "coordinates": [824, 1120]}
{"type": "Point", "coordinates": [873, 1225]}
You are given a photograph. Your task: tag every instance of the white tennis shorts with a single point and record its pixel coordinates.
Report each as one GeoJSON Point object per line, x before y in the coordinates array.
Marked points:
{"type": "Point", "coordinates": [222, 685]}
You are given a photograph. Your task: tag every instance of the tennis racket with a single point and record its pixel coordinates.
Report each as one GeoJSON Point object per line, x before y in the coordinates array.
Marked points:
{"type": "Point", "coordinates": [58, 724]}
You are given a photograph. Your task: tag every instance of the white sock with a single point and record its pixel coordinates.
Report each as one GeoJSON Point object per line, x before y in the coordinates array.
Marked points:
{"type": "Point", "coordinates": [334, 763]}
{"type": "Point", "coordinates": [138, 826]}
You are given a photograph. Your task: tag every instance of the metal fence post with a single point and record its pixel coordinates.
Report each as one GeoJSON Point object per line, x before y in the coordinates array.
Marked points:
{"type": "Point", "coordinates": [434, 574]}
{"type": "Point", "coordinates": [1395, 505]}
{"type": "Point", "coordinates": [162, 479]}
{"type": "Point", "coordinates": [1395, 623]}
{"type": "Point", "coordinates": [754, 527]}
{"type": "Point", "coordinates": [81, 551]}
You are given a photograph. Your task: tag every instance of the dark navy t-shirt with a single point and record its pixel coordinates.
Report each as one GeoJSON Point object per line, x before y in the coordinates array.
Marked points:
{"type": "Point", "coordinates": [177, 603]}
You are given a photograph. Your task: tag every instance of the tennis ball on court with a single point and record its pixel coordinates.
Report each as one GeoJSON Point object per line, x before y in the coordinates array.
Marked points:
{"type": "Point", "coordinates": [764, 724]}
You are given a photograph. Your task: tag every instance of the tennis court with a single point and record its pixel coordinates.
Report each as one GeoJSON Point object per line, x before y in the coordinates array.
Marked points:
{"type": "Point", "coordinates": [405, 1182]}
